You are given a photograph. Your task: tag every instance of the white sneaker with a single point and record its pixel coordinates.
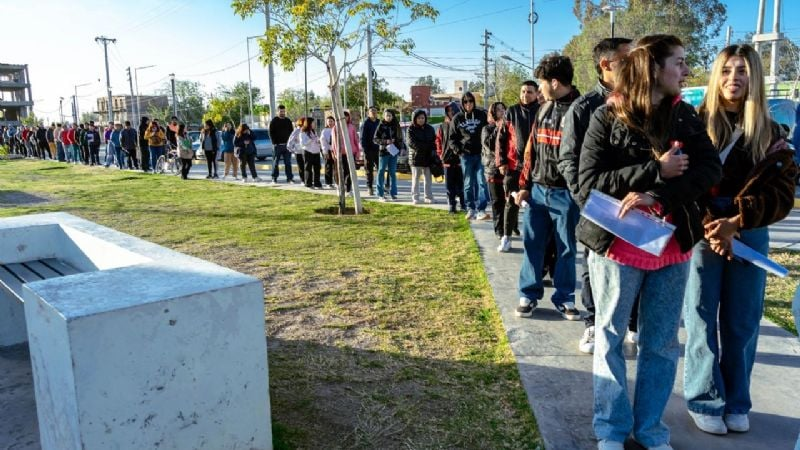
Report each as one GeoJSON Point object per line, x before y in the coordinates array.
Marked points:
{"type": "Point", "coordinates": [383, 199]}
{"type": "Point", "coordinates": [258, 180]}
{"type": "Point", "coordinates": [505, 244]}
{"type": "Point", "coordinates": [415, 202]}
{"type": "Point", "coordinates": [244, 180]}
{"type": "Point", "coordinates": [236, 178]}
{"type": "Point", "coordinates": [586, 344]}
{"type": "Point", "coordinates": [483, 215]}
{"type": "Point", "coordinates": [739, 423]}
{"type": "Point", "coordinates": [430, 201]}
{"type": "Point", "coordinates": [274, 182]}
{"type": "Point", "coordinates": [224, 177]}
{"type": "Point", "coordinates": [470, 214]}
{"type": "Point", "coordinates": [526, 307]}
{"type": "Point", "coordinates": [610, 445]}
{"type": "Point", "coordinates": [709, 424]}
{"type": "Point", "coordinates": [632, 337]}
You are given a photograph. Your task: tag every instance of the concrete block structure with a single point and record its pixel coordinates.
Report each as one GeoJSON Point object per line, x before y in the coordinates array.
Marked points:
{"type": "Point", "coordinates": [16, 102]}
{"type": "Point", "coordinates": [139, 347]}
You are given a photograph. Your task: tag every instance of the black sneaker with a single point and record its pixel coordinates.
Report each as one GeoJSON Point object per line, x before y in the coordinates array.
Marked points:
{"type": "Point", "coordinates": [526, 307]}
{"type": "Point", "coordinates": [569, 311]}
{"type": "Point", "coordinates": [452, 209]}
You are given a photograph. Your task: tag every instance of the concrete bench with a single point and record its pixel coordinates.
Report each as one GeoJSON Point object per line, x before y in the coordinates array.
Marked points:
{"type": "Point", "coordinates": [133, 345]}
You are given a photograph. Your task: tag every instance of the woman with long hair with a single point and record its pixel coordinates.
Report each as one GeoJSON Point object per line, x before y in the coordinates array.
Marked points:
{"type": "Point", "coordinates": [503, 228]}
{"type": "Point", "coordinates": [185, 152]}
{"type": "Point", "coordinates": [650, 150]}
{"type": "Point", "coordinates": [209, 142]}
{"type": "Point", "coordinates": [389, 138]}
{"type": "Point", "coordinates": [231, 161]}
{"type": "Point", "coordinates": [756, 190]}
{"type": "Point", "coordinates": [245, 143]}
{"type": "Point", "coordinates": [293, 145]}
{"type": "Point", "coordinates": [309, 143]}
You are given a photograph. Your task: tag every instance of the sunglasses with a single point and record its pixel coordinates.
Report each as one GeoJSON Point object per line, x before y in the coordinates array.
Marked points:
{"type": "Point", "coordinates": [468, 101]}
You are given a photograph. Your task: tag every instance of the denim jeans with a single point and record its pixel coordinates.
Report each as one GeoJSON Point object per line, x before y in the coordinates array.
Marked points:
{"type": "Point", "coordinates": [476, 192]}
{"type": "Point", "coordinates": [717, 369]}
{"type": "Point", "coordinates": [615, 288]}
{"type": "Point", "coordinates": [155, 153]}
{"type": "Point", "coordinates": [281, 152]}
{"type": "Point", "coordinates": [387, 162]}
{"type": "Point", "coordinates": [62, 156]}
{"type": "Point", "coordinates": [551, 210]}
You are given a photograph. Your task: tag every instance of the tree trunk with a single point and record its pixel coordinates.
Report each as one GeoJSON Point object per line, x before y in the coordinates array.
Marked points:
{"type": "Point", "coordinates": [341, 124]}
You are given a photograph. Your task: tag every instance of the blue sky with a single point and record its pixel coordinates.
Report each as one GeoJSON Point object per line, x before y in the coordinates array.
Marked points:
{"type": "Point", "coordinates": [202, 40]}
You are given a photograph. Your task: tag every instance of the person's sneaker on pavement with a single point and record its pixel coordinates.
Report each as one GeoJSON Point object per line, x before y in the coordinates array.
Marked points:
{"type": "Point", "coordinates": [737, 422]}
{"type": "Point", "coordinates": [274, 181]}
{"type": "Point", "coordinates": [586, 344]}
{"type": "Point", "coordinates": [470, 214]}
{"type": "Point", "coordinates": [709, 424]}
{"type": "Point", "coordinates": [505, 245]}
{"type": "Point", "coordinates": [482, 215]}
{"type": "Point", "coordinates": [452, 209]}
{"type": "Point", "coordinates": [526, 307]}
{"type": "Point", "coordinates": [605, 444]}
{"type": "Point", "coordinates": [569, 311]}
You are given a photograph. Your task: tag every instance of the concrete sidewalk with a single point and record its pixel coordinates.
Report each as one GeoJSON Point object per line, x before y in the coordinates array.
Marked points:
{"type": "Point", "coordinates": [558, 378]}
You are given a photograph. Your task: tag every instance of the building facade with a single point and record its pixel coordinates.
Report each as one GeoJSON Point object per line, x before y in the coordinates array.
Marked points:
{"type": "Point", "coordinates": [16, 102]}
{"type": "Point", "coordinates": [124, 107]}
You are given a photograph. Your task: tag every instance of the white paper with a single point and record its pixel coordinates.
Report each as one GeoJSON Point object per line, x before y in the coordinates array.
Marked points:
{"type": "Point", "coordinates": [645, 231]}
{"type": "Point", "coordinates": [392, 149]}
{"type": "Point", "coordinates": [757, 259]}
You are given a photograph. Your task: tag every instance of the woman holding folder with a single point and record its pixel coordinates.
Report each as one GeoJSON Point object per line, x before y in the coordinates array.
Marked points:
{"type": "Point", "coordinates": [756, 190]}
{"type": "Point", "coordinates": [650, 150]}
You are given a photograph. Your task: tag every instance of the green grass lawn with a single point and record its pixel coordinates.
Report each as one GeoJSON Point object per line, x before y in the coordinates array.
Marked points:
{"type": "Point", "coordinates": [382, 328]}
{"type": "Point", "coordinates": [780, 291]}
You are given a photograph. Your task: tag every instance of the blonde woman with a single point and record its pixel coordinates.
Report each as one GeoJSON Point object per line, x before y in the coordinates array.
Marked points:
{"type": "Point", "coordinates": [725, 297]}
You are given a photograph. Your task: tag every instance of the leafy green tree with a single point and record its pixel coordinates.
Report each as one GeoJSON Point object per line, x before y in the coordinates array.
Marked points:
{"type": "Point", "coordinates": [696, 22]}
{"type": "Point", "coordinates": [382, 97]}
{"type": "Point", "coordinates": [788, 59]}
{"type": "Point", "coordinates": [31, 120]}
{"type": "Point", "coordinates": [232, 104]}
{"type": "Point", "coordinates": [295, 102]}
{"type": "Point", "coordinates": [189, 96]}
{"type": "Point", "coordinates": [319, 29]}
{"type": "Point", "coordinates": [507, 80]}
{"type": "Point", "coordinates": [434, 83]}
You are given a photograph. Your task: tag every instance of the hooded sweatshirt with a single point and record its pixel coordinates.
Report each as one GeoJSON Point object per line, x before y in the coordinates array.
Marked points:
{"type": "Point", "coordinates": [465, 132]}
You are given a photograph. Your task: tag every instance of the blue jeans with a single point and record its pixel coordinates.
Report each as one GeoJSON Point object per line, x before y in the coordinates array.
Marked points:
{"type": "Point", "coordinates": [111, 154]}
{"type": "Point", "coordinates": [551, 210]}
{"type": "Point", "coordinates": [76, 153]}
{"type": "Point", "coordinates": [60, 153]}
{"type": "Point", "coordinates": [717, 384]}
{"type": "Point", "coordinates": [281, 152]}
{"type": "Point", "coordinates": [615, 288]}
{"type": "Point", "coordinates": [155, 153]}
{"type": "Point", "coordinates": [120, 157]}
{"type": "Point", "coordinates": [387, 162]}
{"type": "Point", "coordinates": [476, 192]}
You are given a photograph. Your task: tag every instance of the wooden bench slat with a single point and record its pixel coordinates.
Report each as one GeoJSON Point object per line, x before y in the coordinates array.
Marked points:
{"type": "Point", "coordinates": [10, 282]}
{"type": "Point", "coordinates": [27, 275]}
{"type": "Point", "coordinates": [43, 270]}
{"type": "Point", "coordinates": [60, 266]}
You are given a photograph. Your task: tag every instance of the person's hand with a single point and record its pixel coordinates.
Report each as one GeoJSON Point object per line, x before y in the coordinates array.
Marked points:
{"type": "Point", "coordinates": [673, 163]}
{"type": "Point", "coordinates": [502, 169]}
{"type": "Point", "coordinates": [634, 199]}
{"type": "Point", "coordinates": [726, 228]}
{"type": "Point", "coordinates": [522, 196]}
{"type": "Point", "coordinates": [722, 246]}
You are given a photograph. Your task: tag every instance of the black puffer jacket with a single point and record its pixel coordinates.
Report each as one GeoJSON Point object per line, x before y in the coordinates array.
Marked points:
{"type": "Point", "coordinates": [421, 143]}
{"type": "Point", "coordinates": [489, 138]}
{"type": "Point", "coordinates": [616, 160]}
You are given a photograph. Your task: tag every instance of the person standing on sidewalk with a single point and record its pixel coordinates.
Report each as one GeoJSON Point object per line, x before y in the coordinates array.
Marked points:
{"type": "Point", "coordinates": [245, 143]}
{"type": "Point", "coordinates": [128, 141]}
{"type": "Point", "coordinates": [93, 139]}
{"type": "Point", "coordinates": [294, 146]}
{"type": "Point", "coordinates": [421, 143]}
{"type": "Point", "coordinates": [144, 147]}
{"type": "Point", "coordinates": [231, 161]}
{"type": "Point", "coordinates": [607, 55]}
{"type": "Point", "coordinates": [630, 152]}
{"type": "Point", "coordinates": [389, 138]}
{"type": "Point", "coordinates": [724, 298]}
{"type": "Point", "coordinates": [209, 142]}
{"type": "Point", "coordinates": [494, 178]}
{"type": "Point", "coordinates": [51, 140]}
{"type": "Point", "coordinates": [453, 176]}
{"type": "Point", "coordinates": [280, 128]}
{"type": "Point", "coordinates": [341, 151]}
{"type": "Point", "coordinates": [371, 149]}
{"type": "Point", "coordinates": [309, 144]}
{"type": "Point", "coordinates": [465, 140]}
{"type": "Point", "coordinates": [326, 143]}
{"type": "Point", "coordinates": [552, 209]}
{"type": "Point", "coordinates": [185, 151]}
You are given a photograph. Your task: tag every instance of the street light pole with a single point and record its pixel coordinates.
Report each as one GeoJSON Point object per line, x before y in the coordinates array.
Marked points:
{"type": "Point", "coordinates": [533, 19]}
{"type": "Point", "coordinates": [61, 108]}
{"type": "Point", "coordinates": [305, 81]}
{"type": "Point", "coordinates": [136, 81]}
{"type": "Point", "coordinates": [174, 99]}
{"type": "Point", "coordinates": [611, 9]}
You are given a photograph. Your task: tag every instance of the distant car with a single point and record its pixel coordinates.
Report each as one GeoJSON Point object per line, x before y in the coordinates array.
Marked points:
{"type": "Point", "coordinates": [264, 148]}
{"type": "Point", "coordinates": [197, 145]}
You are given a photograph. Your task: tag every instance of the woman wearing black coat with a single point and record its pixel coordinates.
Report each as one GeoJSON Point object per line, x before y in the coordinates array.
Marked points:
{"type": "Point", "coordinates": [421, 141]}
{"type": "Point", "coordinates": [244, 145]}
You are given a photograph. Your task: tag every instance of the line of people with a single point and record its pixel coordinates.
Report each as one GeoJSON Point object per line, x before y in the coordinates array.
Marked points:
{"type": "Point", "coordinates": [719, 173]}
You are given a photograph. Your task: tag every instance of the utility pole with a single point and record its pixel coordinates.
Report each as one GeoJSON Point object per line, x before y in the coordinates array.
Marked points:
{"type": "Point", "coordinates": [174, 99]}
{"type": "Point", "coordinates": [305, 84]}
{"type": "Point", "coordinates": [775, 37]}
{"type": "Point", "coordinates": [533, 18]}
{"type": "Point", "coordinates": [369, 67]}
{"type": "Point", "coordinates": [136, 81]}
{"type": "Point", "coordinates": [728, 36]}
{"type": "Point", "coordinates": [74, 109]}
{"type": "Point", "coordinates": [250, 81]}
{"type": "Point", "coordinates": [486, 47]}
{"type": "Point", "coordinates": [105, 42]}
{"type": "Point", "coordinates": [270, 71]}
{"type": "Point", "coordinates": [130, 82]}
{"type": "Point", "coordinates": [61, 108]}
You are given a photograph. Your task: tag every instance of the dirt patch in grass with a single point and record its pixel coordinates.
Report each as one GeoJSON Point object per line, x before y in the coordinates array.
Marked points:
{"type": "Point", "coordinates": [9, 199]}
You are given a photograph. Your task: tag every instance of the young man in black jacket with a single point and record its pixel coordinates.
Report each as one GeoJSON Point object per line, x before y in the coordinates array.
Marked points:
{"type": "Point", "coordinates": [280, 128]}
{"type": "Point", "coordinates": [370, 147]}
{"type": "Point", "coordinates": [465, 141]}
{"type": "Point", "coordinates": [606, 55]}
{"type": "Point", "coordinates": [128, 142]}
{"type": "Point", "coordinates": [545, 190]}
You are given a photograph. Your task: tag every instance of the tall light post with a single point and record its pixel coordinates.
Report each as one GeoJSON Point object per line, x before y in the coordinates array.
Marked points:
{"type": "Point", "coordinates": [532, 18]}
{"type": "Point", "coordinates": [136, 82]}
{"type": "Point", "coordinates": [77, 111]}
{"type": "Point", "coordinates": [611, 9]}
{"type": "Point", "coordinates": [174, 99]}
{"type": "Point", "coordinates": [250, 79]}
{"type": "Point", "coordinates": [61, 108]}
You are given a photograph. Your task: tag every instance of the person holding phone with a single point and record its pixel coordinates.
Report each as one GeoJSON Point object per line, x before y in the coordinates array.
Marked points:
{"type": "Point", "coordinates": [627, 154]}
